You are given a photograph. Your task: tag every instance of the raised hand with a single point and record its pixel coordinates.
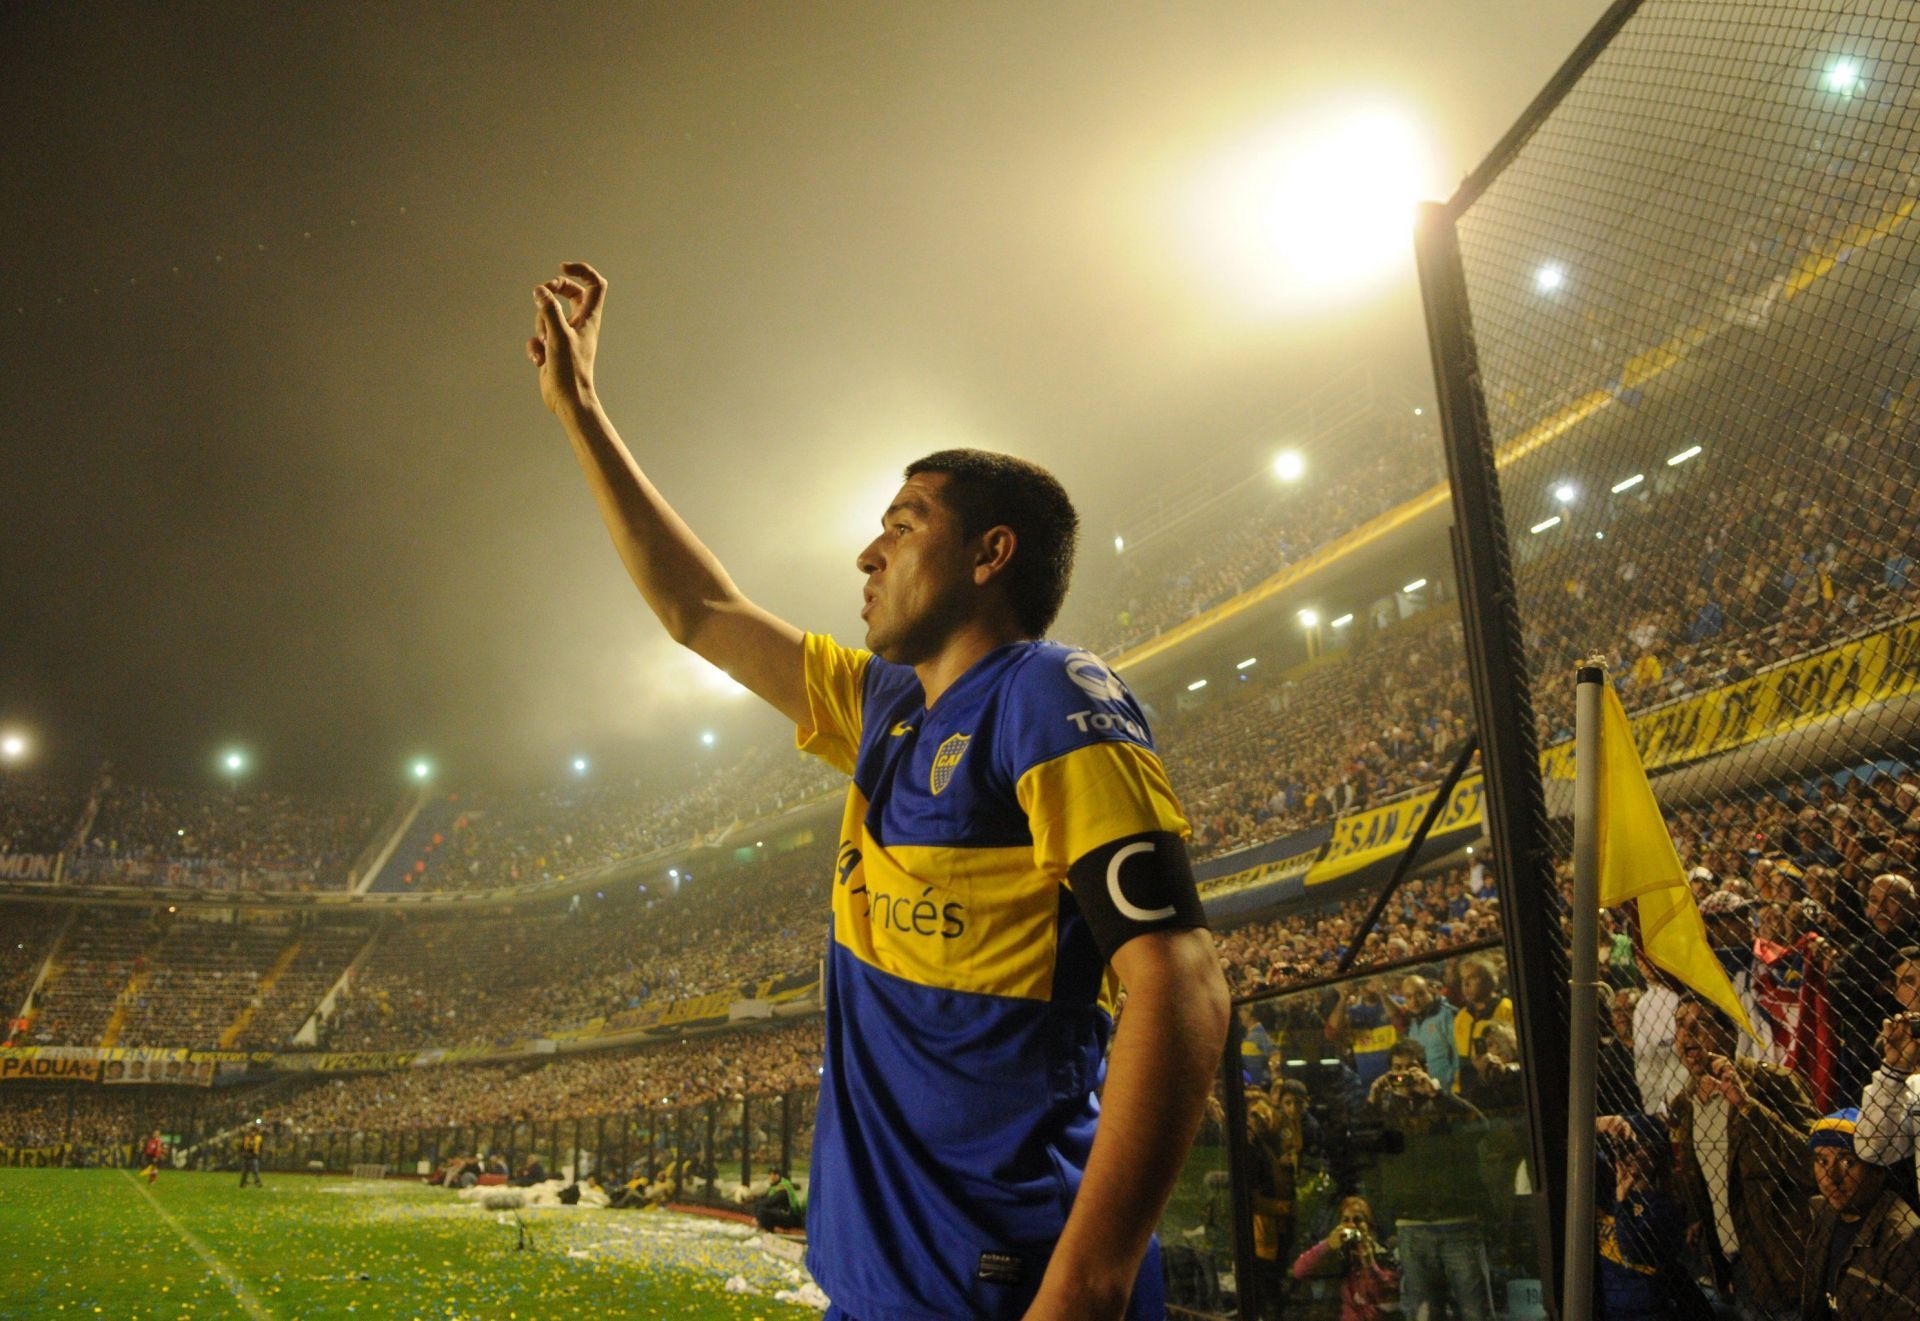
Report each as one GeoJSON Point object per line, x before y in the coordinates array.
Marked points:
{"type": "Point", "coordinates": [566, 335]}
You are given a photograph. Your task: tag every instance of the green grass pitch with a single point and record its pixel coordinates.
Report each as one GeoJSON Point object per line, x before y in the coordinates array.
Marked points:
{"type": "Point", "coordinates": [84, 1243]}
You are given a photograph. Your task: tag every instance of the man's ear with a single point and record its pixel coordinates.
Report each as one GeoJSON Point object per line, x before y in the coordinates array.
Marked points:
{"type": "Point", "coordinates": [993, 553]}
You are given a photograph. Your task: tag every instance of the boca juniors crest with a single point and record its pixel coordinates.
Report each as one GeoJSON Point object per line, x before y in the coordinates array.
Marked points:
{"type": "Point", "coordinates": [946, 758]}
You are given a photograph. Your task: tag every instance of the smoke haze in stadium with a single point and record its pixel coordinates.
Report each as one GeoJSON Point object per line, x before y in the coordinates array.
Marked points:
{"type": "Point", "coordinates": [278, 475]}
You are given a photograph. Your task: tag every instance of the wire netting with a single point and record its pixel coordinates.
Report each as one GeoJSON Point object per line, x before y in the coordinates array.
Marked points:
{"type": "Point", "coordinates": [1693, 296]}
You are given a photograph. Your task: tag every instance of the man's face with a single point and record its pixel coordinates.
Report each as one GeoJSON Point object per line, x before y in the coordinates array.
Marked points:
{"type": "Point", "coordinates": [1476, 985]}
{"type": "Point", "coordinates": [920, 574]}
{"type": "Point", "coordinates": [1906, 986]}
{"type": "Point", "coordinates": [1845, 1180]}
{"type": "Point", "coordinates": [1417, 995]}
{"type": "Point", "coordinates": [1697, 1038]}
{"type": "Point", "coordinates": [1291, 1105]}
{"type": "Point", "coordinates": [1888, 905]}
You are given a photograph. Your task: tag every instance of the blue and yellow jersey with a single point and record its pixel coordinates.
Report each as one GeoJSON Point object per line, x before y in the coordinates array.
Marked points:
{"type": "Point", "coordinates": [994, 851]}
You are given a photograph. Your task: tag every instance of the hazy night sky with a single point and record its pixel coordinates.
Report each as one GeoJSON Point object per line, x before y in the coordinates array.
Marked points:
{"type": "Point", "coordinates": [276, 470]}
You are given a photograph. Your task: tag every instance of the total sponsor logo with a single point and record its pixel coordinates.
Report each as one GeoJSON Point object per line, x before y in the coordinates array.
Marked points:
{"type": "Point", "coordinates": [1107, 722]}
{"type": "Point", "coordinates": [1092, 677]}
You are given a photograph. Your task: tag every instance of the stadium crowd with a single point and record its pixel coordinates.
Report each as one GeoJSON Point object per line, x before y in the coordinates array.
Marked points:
{"type": "Point", "coordinates": [759, 1062]}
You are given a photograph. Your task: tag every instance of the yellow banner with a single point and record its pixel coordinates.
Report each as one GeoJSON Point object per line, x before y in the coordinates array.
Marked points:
{"type": "Point", "coordinates": [1279, 869]}
{"type": "Point", "coordinates": [33, 1157]}
{"type": "Point", "coordinates": [1827, 683]}
{"type": "Point", "coordinates": [1381, 832]}
{"type": "Point", "coordinates": [28, 1062]}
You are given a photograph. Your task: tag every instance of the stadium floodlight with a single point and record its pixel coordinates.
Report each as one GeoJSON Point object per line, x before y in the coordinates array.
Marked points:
{"type": "Point", "coordinates": [1544, 524]}
{"type": "Point", "coordinates": [1248, 663]}
{"type": "Point", "coordinates": [1683, 456]}
{"type": "Point", "coordinates": [1119, 545]}
{"type": "Point", "coordinates": [1343, 621]}
{"type": "Point", "coordinates": [13, 747]}
{"type": "Point", "coordinates": [706, 737]}
{"type": "Point", "coordinates": [1565, 492]}
{"type": "Point", "coordinates": [235, 762]}
{"type": "Point", "coordinates": [1309, 619]}
{"type": "Point", "coordinates": [673, 873]}
{"type": "Point", "coordinates": [422, 769]}
{"type": "Point", "coordinates": [1196, 685]}
{"type": "Point", "coordinates": [1419, 412]}
{"type": "Point", "coordinates": [1289, 466]}
{"type": "Point", "coordinates": [1629, 483]}
{"type": "Point", "coordinates": [1843, 76]}
{"type": "Point", "coordinates": [1413, 586]}
{"type": "Point", "coordinates": [579, 765]}
{"type": "Point", "coordinates": [1549, 278]}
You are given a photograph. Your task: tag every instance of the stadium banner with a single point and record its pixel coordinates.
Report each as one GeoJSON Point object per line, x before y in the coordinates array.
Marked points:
{"type": "Point", "coordinates": [356, 1061]}
{"type": "Point", "coordinates": [123, 1065]}
{"type": "Point", "coordinates": [1827, 683]}
{"type": "Point", "coordinates": [49, 1063]}
{"type": "Point", "coordinates": [1381, 834]}
{"type": "Point", "coordinates": [30, 867]}
{"type": "Point", "coordinates": [1258, 877]}
{"type": "Point", "coordinates": [34, 1158]}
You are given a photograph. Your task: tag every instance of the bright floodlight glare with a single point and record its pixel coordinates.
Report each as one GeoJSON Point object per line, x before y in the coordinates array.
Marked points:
{"type": "Point", "coordinates": [1343, 621]}
{"type": "Point", "coordinates": [1549, 277]}
{"type": "Point", "coordinates": [707, 737]}
{"type": "Point", "coordinates": [1843, 76]}
{"type": "Point", "coordinates": [1419, 412]}
{"type": "Point", "coordinates": [1288, 465]}
{"type": "Point", "coordinates": [1309, 618]}
{"type": "Point", "coordinates": [1196, 685]}
{"type": "Point", "coordinates": [1308, 210]}
{"type": "Point", "coordinates": [235, 761]}
{"type": "Point", "coordinates": [1629, 483]}
{"type": "Point", "coordinates": [1683, 456]}
{"type": "Point", "coordinates": [13, 747]}
{"type": "Point", "coordinates": [579, 765]}
{"type": "Point", "coordinates": [1544, 524]}
{"type": "Point", "coordinates": [1119, 545]}
{"type": "Point", "coordinates": [673, 873]}
{"type": "Point", "coordinates": [1413, 586]}
{"type": "Point", "coordinates": [1565, 492]}
{"type": "Point", "coordinates": [1248, 663]}
{"type": "Point", "coordinates": [422, 769]}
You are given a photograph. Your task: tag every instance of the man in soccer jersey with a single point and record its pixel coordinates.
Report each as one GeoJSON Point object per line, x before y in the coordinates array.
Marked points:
{"type": "Point", "coordinates": [1010, 855]}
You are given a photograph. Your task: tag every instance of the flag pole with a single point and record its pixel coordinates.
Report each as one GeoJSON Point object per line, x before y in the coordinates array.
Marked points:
{"type": "Point", "coordinates": [1576, 1303]}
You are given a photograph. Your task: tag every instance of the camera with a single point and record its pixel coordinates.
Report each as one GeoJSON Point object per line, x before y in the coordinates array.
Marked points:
{"type": "Point", "coordinates": [1349, 1236]}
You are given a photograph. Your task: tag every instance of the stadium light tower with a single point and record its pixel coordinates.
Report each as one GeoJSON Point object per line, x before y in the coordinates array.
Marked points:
{"type": "Point", "coordinates": [1310, 622]}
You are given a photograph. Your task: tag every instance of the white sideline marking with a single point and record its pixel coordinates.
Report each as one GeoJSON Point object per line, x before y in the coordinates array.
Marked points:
{"type": "Point", "coordinates": [235, 1285]}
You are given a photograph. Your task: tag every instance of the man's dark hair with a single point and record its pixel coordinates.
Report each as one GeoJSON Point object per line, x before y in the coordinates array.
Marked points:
{"type": "Point", "coordinates": [990, 490]}
{"type": "Point", "coordinates": [1714, 1013]}
{"type": "Point", "coordinates": [1407, 1050]}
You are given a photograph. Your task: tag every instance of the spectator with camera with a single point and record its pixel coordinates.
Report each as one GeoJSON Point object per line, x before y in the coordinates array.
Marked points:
{"type": "Point", "coordinates": [1890, 1104]}
{"type": "Point", "coordinates": [1428, 1019]}
{"type": "Point", "coordinates": [1481, 1008]}
{"type": "Point", "coordinates": [1737, 1127]}
{"type": "Point", "coordinates": [1638, 1221]}
{"type": "Point", "coordinates": [1353, 1250]}
{"type": "Point", "coordinates": [1428, 1187]}
{"type": "Point", "coordinates": [1861, 1259]}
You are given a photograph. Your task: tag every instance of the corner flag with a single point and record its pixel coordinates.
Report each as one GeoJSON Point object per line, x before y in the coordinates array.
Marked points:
{"type": "Point", "coordinates": [1637, 861]}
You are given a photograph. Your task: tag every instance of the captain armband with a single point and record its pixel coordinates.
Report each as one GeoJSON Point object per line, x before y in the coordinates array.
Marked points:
{"type": "Point", "coordinates": [1134, 885]}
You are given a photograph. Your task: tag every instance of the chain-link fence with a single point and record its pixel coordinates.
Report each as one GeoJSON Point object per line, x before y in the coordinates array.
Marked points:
{"type": "Point", "coordinates": [1674, 325]}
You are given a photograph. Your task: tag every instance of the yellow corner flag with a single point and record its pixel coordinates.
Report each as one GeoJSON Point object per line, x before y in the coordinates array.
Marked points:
{"type": "Point", "coordinates": [1637, 861]}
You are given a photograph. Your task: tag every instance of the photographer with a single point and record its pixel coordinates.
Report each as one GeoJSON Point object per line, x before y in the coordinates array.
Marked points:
{"type": "Point", "coordinates": [784, 1206]}
{"type": "Point", "coordinates": [1638, 1220]}
{"type": "Point", "coordinates": [1890, 1105]}
{"type": "Point", "coordinates": [1430, 1187]}
{"type": "Point", "coordinates": [1353, 1250]}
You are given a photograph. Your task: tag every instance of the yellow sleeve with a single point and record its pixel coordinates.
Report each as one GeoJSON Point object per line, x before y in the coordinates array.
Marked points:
{"type": "Point", "coordinates": [1091, 796]}
{"type": "Point", "coordinates": [836, 684]}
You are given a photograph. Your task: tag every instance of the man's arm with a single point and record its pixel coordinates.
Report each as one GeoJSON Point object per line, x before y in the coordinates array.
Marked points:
{"type": "Point", "coordinates": [684, 585]}
{"type": "Point", "coordinates": [1164, 1058]}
